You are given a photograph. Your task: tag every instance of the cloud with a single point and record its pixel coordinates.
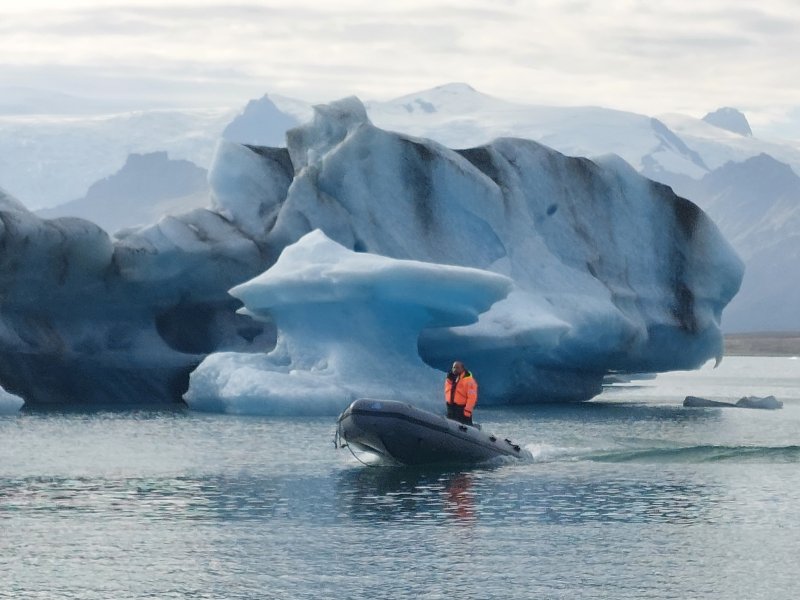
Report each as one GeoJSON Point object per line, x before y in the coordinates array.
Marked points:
{"type": "Point", "coordinates": [635, 55]}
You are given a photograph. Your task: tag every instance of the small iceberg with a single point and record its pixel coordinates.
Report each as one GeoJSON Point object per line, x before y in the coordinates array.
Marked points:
{"type": "Point", "coordinates": [766, 403]}
{"type": "Point", "coordinates": [348, 327]}
{"type": "Point", "coordinates": [696, 401]}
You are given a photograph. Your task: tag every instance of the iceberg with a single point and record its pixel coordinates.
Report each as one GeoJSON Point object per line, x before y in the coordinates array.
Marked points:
{"type": "Point", "coordinates": [609, 271]}
{"type": "Point", "coordinates": [766, 402]}
{"type": "Point", "coordinates": [87, 319]}
{"type": "Point", "coordinates": [612, 271]}
{"type": "Point", "coordinates": [348, 325]}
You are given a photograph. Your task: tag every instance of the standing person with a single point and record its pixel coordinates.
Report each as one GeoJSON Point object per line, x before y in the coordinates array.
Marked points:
{"type": "Point", "coordinates": [460, 393]}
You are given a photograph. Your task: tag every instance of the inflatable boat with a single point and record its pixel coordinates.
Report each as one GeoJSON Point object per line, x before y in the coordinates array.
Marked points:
{"type": "Point", "coordinates": [412, 436]}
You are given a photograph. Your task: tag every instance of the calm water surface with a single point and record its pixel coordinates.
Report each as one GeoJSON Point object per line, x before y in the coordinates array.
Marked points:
{"type": "Point", "coordinates": [629, 496]}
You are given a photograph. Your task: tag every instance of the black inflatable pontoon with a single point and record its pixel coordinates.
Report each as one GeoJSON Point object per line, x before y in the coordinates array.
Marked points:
{"type": "Point", "coordinates": [413, 436]}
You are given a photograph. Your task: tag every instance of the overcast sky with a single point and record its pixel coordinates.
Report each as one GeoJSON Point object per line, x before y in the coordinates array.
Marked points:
{"type": "Point", "coordinates": [688, 56]}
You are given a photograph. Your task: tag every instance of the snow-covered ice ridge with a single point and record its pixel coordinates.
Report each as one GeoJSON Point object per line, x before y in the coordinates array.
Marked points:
{"type": "Point", "coordinates": [610, 271]}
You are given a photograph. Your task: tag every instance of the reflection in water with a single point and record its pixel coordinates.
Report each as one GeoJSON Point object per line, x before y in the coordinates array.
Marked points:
{"type": "Point", "coordinates": [404, 493]}
{"type": "Point", "coordinates": [488, 496]}
{"type": "Point", "coordinates": [460, 497]}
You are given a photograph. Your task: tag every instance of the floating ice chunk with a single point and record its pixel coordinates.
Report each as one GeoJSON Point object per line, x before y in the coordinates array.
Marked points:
{"type": "Point", "coordinates": [767, 402]}
{"type": "Point", "coordinates": [698, 402]}
{"type": "Point", "coordinates": [348, 325]}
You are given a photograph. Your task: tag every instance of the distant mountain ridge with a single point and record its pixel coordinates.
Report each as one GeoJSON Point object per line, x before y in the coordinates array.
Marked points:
{"type": "Point", "coordinates": [52, 159]}
{"type": "Point", "coordinates": [147, 187]}
{"type": "Point", "coordinates": [756, 204]}
{"type": "Point", "coordinates": [759, 195]}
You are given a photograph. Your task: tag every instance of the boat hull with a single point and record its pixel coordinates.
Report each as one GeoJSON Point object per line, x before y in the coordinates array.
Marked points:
{"type": "Point", "coordinates": [412, 436]}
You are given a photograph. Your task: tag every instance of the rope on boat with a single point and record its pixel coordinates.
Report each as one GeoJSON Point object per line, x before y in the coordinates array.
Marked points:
{"type": "Point", "coordinates": [337, 443]}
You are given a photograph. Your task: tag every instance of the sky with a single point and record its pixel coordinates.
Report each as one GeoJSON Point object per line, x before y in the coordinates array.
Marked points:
{"type": "Point", "coordinates": [645, 56]}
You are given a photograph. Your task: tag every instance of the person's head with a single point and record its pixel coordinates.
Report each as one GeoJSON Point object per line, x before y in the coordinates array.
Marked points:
{"type": "Point", "coordinates": [458, 367]}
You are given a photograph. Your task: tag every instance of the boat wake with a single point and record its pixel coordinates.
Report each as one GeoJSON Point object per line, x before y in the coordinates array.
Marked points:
{"type": "Point", "coordinates": [545, 453]}
{"type": "Point", "coordinates": [702, 454]}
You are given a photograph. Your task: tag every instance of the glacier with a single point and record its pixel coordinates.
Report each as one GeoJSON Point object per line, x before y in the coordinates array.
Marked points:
{"type": "Point", "coordinates": [609, 271]}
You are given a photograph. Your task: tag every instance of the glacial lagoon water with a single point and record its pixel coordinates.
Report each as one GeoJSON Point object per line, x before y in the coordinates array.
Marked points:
{"type": "Point", "coordinates": [629, 496]}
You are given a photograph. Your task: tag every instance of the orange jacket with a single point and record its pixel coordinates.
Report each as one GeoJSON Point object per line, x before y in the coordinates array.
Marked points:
{"type": "Point", "coordinates": [466, 392]}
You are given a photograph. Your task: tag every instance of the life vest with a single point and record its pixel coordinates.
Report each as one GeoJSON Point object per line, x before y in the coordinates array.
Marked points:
{"type": "Point", "coordinates": [463, 393]}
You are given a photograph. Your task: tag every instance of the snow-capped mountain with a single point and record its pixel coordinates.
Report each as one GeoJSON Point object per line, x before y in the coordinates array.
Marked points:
{"type": "Point", "coordinates": [147, 187]}
{"type": "Point", "coordinates": [718, 145]}
{"type": "Point", "coordinates": [458, 116]}
{"type": "Point", "coordinates": [730, 119]}
{"type": "Point", "coordinates": [670, 144]}
{"type": "Point", "coordinates": [261, 123]}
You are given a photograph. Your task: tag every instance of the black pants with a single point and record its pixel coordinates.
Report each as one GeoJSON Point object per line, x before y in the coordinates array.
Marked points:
{"type": "Point", "coordinates": [456, 412]}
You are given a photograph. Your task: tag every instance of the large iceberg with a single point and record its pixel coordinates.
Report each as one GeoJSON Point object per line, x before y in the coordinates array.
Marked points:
{"type": "Point", "coordinates": [348, 326]}
{"type": "Point", "coordinates": [610, 271]}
